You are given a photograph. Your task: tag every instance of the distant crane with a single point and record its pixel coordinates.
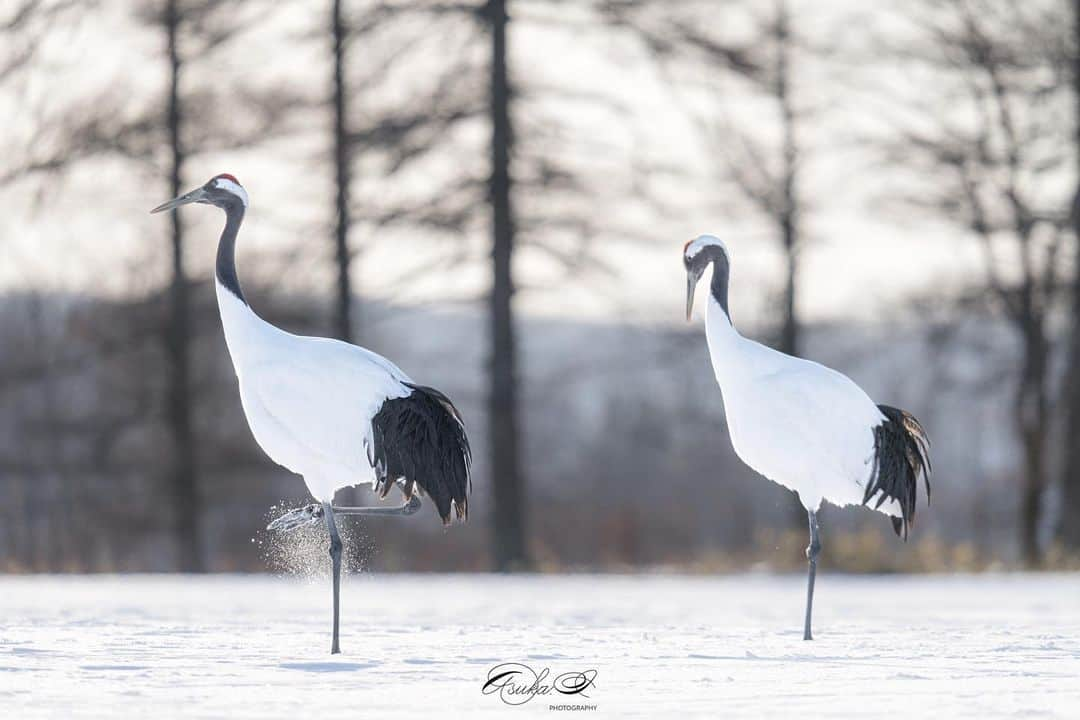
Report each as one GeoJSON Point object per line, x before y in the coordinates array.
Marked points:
{"type": "Point", "coordinates": [335, 413]}
{"type": "Point", "coordinates": [803, 425]}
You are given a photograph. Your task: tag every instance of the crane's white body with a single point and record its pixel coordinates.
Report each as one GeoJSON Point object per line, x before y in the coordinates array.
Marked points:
{"type": "Point", "coordinates": [309, 401]}
{"type": "Point", "coordinates": [803, 425]}
{"type": "Point", "coordinates": [335, 413]}
{"type": "Point", "coordinates": [798, 423]}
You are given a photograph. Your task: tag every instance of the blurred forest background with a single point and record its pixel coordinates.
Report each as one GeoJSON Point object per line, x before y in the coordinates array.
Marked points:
{"type": "Point", "coordinates": [495, 195]}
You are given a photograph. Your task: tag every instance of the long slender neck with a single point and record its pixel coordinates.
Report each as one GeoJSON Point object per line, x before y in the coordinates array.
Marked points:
{"type": "Point", "coordinates": [719, 287]}
{"type": "Point", "coordinates": [226, 253]}
{"type": "Point", "coordinates": [720, 332]}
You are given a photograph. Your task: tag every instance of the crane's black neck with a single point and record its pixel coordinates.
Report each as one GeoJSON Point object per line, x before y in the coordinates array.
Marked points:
{"type": "Point", "coordinates": [719, 289]}
{"type": "Point", "coordinates": [226, 252]}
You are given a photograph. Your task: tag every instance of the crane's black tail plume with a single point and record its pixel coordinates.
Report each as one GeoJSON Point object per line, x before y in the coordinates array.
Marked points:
{"type": "Point", "coordinates": [901, 454]}
{"type": "Point", "coordinates": [420, 440]}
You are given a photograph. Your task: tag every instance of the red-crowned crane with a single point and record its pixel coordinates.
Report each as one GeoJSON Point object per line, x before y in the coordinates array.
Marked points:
{"type": "Point", "coordinates": [335, 413]}
{"type": "Point", "coordinates": [803, 425]}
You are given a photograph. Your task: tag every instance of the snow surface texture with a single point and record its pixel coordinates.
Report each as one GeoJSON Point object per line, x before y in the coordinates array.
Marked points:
{"type": "Point", "coordinates": [421, 646]}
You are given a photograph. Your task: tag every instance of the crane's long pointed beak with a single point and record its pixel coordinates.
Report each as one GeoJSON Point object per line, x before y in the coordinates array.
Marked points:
{"type": "Point", "coordinates": [691, 284]}
{"type": "Point", "coordinates": [194, 196]}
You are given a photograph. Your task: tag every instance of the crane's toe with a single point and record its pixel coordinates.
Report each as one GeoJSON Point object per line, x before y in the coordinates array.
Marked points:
{"type": "Point", "coordinates": [411, 506]}
{"type": "Point", "coordinates": [297, 518]}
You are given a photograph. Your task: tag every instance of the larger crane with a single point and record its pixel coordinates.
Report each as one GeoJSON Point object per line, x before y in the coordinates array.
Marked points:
{"type": "Point", "coordinates": [803, 425]}
{"type": "Point", "coordinates": [334, 413]}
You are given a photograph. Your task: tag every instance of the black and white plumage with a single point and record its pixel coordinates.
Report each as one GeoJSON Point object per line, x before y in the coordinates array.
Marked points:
{"type": "Point", "coordinates": [806, 426]}
{"type": "Point", "coordinates": [418, 438]}
{"type": "Point", "coordinates": [901, 455]}
{"type": "Point", "coordinates": [337, 414]}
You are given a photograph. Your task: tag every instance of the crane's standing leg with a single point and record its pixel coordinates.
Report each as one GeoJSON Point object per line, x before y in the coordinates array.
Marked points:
{"type": "Point", "coordinates": [812, 551]}
{"type": "Point", "coordinates": [335, 559]}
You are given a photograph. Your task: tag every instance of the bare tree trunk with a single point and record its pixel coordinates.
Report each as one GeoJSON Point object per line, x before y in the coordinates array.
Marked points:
{"type": "Point", "coordinates": [1032, 415]}
{"type": "Point", "coordinates": [1070, 467]}
{"type": "Point", "coordinates": [507, 479]}
{"type": "Point", "coordinates": [184, 477]}
{"type": "Point", "coordinates": [342, 178]}
{"type": "Point", "coordinates": [789, 215]}
{"type": "Point", "coordinates": [1031, 502]}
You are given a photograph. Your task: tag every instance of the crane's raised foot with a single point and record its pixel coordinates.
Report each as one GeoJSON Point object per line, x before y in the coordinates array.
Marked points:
{"type": "Point", "coordinates": [297, 518]}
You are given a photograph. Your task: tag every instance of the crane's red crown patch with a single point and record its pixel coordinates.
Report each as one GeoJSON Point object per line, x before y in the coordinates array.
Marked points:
{"type": "Point", "coordinates": [227, 176]}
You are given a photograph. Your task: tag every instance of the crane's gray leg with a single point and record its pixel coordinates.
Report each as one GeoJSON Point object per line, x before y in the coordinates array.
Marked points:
{"type": "Point", "coordinates": [812, 551]}
{"type": "Point", "coordinates": [335, 559]}
{"type": "Point", "coordinates": [408, 508]}
{"type": "Point", "coordinates": [314, 513]}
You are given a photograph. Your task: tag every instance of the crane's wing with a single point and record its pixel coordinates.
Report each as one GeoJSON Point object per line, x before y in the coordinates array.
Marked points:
{"type": "Point", "coordinates": [340, 417]}
{"type": "Point", "coordinates": [851, 450]}
{"type": "Point", "coordinates": [314, 406]}
{"type": "Point", "coordinates": [808, 422]}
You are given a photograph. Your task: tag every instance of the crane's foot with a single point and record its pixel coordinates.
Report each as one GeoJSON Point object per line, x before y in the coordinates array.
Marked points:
{"type": "Point", "coordinates": [307, 515]}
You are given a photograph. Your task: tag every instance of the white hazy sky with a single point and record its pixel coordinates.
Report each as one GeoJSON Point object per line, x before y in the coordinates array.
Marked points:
{"type": "Point", "coordinates": [93, 232]}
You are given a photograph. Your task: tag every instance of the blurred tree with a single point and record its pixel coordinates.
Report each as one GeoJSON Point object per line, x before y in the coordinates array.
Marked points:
{"type": "Point", "coordinates": [780, 198]}
{"type": "Point", "coordinates": [24, 27]}
{"type": "Point", "coordinates": [184, 476]}
{"type": "Point", "coordinates": [987, 153]}
{"type": "Point", "coordinates": [342, 175]}
{"type": "Point", "coordinates": [157, 134]}
{"type": "Point", "coordinates": [764, 166]}
{"type": "Point", "coordinates": [503, 431]}
{"type": "Point", "coordinates": [391, 139]}
{"type": "Point", "coordinates": [1070, 464]}
{"type": "Point", "coordinates": [431, 130]}
{"type": "Point", "coordinates": [35, 462]}
{"type": "Point", "coordinates": [412, 134]}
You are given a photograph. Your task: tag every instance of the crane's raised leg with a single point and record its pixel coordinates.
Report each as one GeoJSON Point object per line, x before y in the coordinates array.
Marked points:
{"type": "Point", "coordinates": [409, 508]}
{"type": "Point", "coordinates": [812, 551]}
{"type": "Point", "coordinates": [335, 559]}
{"type": "Point", "coordinates": [314, 513]}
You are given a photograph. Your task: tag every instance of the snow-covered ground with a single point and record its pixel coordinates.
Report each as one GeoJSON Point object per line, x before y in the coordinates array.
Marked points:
{"type": "Point", "coordinates": [422, 646]}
